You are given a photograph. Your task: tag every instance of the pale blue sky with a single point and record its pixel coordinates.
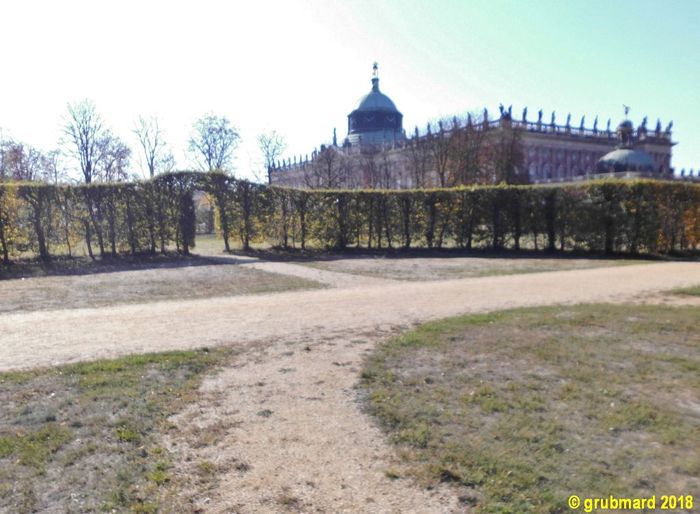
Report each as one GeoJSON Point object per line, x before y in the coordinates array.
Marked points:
{"type": "Point", "coordinates": [300, 66]}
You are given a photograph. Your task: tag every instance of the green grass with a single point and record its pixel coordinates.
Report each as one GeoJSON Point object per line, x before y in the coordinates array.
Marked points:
{"type": "Point", "coordinates": [521, 409]}
{"type": "Point", "coordinates": [85, 437]}
{"type": "Point", "coordinates": [692, 291]}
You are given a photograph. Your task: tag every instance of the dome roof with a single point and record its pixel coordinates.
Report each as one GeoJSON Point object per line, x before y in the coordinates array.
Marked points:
{"type": "Point", "coordinates": [376, 101]}
{"type": "Point", "coordinates": [375, 120]}
{"type": "Point", "coordinates": [625, 159]}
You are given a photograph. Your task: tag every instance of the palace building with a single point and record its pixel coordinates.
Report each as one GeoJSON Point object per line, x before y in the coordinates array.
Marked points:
{"type": "Point", "coordinates": [377, 153]}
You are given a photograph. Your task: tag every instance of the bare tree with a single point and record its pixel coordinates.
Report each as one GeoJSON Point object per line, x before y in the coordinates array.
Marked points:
{"type": "Point", "coordinates": [419, 159]}
{"type": "Point", "coordinates": [272, 146]}
{"type": "Point", "coordinates": [114, 158]}
{"type": "Point", "coordinates": [506, 157]}
{"type": "Point", "coordinates": [152, 142]}
{"type": "Point", "coordinates": [53, 170]}
{"type": "Point", "coordinates": [84, 131]}
{"type": "Point", "coordinates": [327, 169]}
{"type": "Point", "coordinates": [213, 141]}
{"type": "Point", "coordinates": [466, 152]}
{"type": "Point", "coordinates": [440, 150]}
{"type": "Point", "coordinates": [20, 161]}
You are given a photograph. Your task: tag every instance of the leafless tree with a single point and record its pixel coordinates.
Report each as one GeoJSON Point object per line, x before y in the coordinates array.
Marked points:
{"type": "Point", "coordinates": [114, 158]}
{"type": "Point", "coordinates": [272, 146]}
{"type": "Point", "coordinates": [84, 132]}
{"type": "Point", "coordinates": [213, 141]}
{"type": "Point", "coordinates": [152, 141]}
{"type": "Point", "coordinates": [440, 151]}
{"type": "Point", "coordinates": [419, 159]}
{"type": "Point", "coordinates": [22, 162]}
{"type": "Point", "coordinates": [466, 152]}
{"type": "Point", "coordinates": [54, 171]}
{"type": "Point", "coordinates": [327, 169]}
{"type": "Point", "coordinates": [505, 157]}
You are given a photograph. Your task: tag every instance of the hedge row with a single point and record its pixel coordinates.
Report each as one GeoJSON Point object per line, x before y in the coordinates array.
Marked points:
{"type": "Point", "coordinates": [633, 217]}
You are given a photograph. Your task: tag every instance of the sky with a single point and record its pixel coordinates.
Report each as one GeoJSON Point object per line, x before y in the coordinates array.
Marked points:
{"type": "Point", "coordinates": [300, 66]}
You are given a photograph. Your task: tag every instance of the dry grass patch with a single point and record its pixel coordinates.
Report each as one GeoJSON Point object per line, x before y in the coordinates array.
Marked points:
{"type": "Point", "coordinates": [523, 408]}
{"type": "Point", "coordinates": [450, 267]}
{"type": "Point", "coordinates": [200, 278]}
{"type": "Point", "coordinates": [85, 437]}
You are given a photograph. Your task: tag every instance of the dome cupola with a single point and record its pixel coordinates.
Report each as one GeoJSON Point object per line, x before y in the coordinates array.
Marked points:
{"type": "Point", "coordinates": [375, 120]}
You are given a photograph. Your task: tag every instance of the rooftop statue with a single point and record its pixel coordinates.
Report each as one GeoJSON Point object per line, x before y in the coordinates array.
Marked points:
{"type": "Point", "coordinates": [552, 122]}
{"type": "Point", "coordinates": [525, 114]}
{"type": "Point", "coordinates": [595, 124]}
{"type": "Point", "coordinates": [539, 116]}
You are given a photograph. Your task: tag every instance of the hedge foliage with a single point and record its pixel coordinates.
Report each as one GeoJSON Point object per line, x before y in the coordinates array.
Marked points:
{"type": "Point", "coordinates": [640, 216]}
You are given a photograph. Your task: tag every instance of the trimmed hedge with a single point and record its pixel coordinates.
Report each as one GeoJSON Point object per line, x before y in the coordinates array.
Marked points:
{"type": "Point", "coordinates": [638, 216]}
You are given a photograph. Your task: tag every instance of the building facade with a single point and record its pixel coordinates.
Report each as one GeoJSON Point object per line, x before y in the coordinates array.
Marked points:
{"type": "Point", "coordinates": [377, 153]}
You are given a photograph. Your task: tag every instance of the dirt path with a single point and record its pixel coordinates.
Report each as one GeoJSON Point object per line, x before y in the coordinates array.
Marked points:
{"type": "Point", "coordinates": [291, 437]}
{"type": "Point", "coordinates": [53, 337]}
{"type": "Point", "coordinates": [283, 428]}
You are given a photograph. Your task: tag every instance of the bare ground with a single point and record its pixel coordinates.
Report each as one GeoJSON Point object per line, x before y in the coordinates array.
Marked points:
{"type": "Point", "coordinates": [284, 429]}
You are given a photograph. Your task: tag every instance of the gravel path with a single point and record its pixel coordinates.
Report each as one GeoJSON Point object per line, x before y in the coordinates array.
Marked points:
{"type": "Point", "coordinates": [290, 433]}
{"type": "Point", "coordinates": [52, 337]}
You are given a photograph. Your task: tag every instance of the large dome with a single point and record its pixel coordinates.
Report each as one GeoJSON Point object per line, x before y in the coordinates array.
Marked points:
{"type": "Point", "coordinates": [625, 159]}
{"type": "Point", "coordinates": [376, 101]}
{"type": "Point", "coordinates": [376, 120]}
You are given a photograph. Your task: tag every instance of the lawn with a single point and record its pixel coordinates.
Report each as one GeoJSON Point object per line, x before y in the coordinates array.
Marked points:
{"type": "Point", "coordinates": [521, 409]}
{"type": "Point", "coordinates": [451, 267]}
{"type": "Point", "coordinates": [85, 437]}
{"type": "Point", "coordinates": [187, 279]}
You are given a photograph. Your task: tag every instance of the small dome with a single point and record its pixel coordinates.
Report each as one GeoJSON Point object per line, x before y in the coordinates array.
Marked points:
{"type": "Point", "coordinates": [625, 125]}
{"type": "Point", "coordinates": [625, 159]}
